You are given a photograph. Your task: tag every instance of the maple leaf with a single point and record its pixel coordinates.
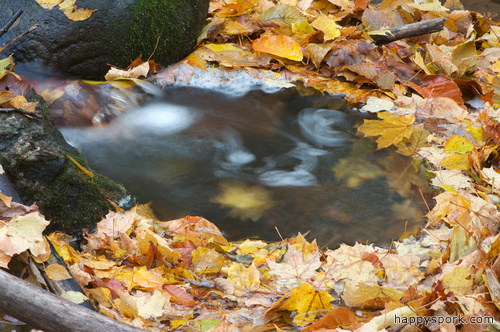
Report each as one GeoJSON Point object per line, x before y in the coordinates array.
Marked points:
{"type": "Point", "coordinates": [355, 170]}
{"type": "Point", "coordinates": [307, 302]}
{"type": "Point", "coordinates": [151, 305]}
{"type": "Point", "coordinates": [245, 201]}
{"type": "Point", "coordinates": [244, 279]}
{"type": "Point", "coordinates": [392, 129]}
{"type": "Point", "coordinates": [328, 26]}
{"type": "Point", "coordinates": [370, 296]}
{"type": "Point", "coordinates": [206, 260]}
{"type": "Point", "coordinates": [295, 267]}
{"type": "Point", "coordinates": [459, 280]}
{"type": "Point", "coordinates": [348, 266]}
{"type": "Point", "coordinates": [22, 233]}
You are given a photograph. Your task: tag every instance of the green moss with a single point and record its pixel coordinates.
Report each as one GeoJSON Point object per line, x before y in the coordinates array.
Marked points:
{"type": "Point", "coordinates": [75, 200]}
{"type": "Point", "coordinates": [177, 22]}
{"type": "Point", "coordinates": [34, 154]}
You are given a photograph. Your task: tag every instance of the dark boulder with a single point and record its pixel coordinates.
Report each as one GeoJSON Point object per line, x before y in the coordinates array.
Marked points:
{"type": "Point", "coordinates": [38, 162]}
{"type": "Point", "coordinates": [116, 33]}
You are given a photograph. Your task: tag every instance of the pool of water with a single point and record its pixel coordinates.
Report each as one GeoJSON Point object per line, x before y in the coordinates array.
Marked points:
{"type": "Point", "coordinates": [258, 161]}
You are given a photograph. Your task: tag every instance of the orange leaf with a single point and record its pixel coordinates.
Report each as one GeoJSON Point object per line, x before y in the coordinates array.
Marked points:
{"type": "Point", "coordinates": [333, 319]}
{"type": "Point", "coordinates": [179, 295]}
{"type": "Point", "coordinates": [439, 86]}
{"type": "Point", "coordinates": [282, 46]}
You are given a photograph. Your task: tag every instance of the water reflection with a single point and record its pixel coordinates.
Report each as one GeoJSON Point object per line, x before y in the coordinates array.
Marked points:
{"type": "Point", "coordinates": [253, 162]}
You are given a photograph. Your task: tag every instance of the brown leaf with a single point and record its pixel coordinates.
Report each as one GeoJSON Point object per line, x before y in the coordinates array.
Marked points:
{"type": "Point", "coordinates": [333, 319]}
{"type": "Point", "coordinates": [180, 71]}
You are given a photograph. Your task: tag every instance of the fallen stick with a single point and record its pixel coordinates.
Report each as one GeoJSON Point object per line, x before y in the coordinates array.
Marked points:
{"type": "Point", "coordinates": [409, 30]}
{"type": "Point", "coordinates": [49, 312]}
{"type": "Point", "coordinates": [12, 20]}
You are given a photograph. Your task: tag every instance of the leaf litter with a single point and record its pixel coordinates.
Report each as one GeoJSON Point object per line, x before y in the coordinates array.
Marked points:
{"type": "Point", "coordinates": [443, 90]}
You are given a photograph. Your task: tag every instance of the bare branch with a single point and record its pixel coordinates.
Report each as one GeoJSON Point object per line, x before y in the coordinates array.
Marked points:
{"type": "Point", "coordinates": [11, 21]}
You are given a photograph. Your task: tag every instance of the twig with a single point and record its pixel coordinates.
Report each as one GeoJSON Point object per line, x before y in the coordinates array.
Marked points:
{"type": "Point", "coordinates": [11, 21]}
{"type": "Point", "coordinates": [410, 30]}
{"type": "Point", "coordinates": [17, 38]}
{"type": "Point", "coordinates": [20, 110]}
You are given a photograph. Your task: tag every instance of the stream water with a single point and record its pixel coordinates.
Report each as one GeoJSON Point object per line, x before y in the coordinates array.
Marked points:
{"type": "Point", "coordinates": [254, 161]}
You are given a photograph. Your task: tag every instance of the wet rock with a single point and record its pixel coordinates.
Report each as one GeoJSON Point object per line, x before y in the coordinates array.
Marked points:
{"type": "Point", "coordinates": [116, 33]}
{"type": "Point", "coordinates": [35, 157]}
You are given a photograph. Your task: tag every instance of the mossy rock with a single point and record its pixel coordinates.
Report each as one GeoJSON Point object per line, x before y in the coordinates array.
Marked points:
{"type": "Point", "coordinates": [117, 32]}
{"type": "Point", "coordinates": [35, 157]}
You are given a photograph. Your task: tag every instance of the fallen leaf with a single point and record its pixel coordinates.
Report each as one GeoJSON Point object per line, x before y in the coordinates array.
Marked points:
{"type": "Point", "coordinates": [392, 129]}
{"type": "Point", "coordinates": [282, 46]}
{"type": "Point", "coordinates": [57, 272]}
{"type": "Point", "coordinates": [333, 319]}
{"type": "Point", "coordinates": [307, 302]}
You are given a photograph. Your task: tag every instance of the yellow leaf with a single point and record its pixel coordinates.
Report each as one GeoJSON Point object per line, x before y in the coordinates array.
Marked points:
{"type": "Point", "coordinates": [57, 272]}
{"type": "Point", "coordinates": [245, 202]}
{"type": "Point", "coordinates": [244, 279]}
{"type": "Point", "coordinates": [458, 144]}
{"type": "Point", "coordinates": [419, 61]}
{"type": "Point", "coordinates": [459, 281]}
{"type": "Point", "coordinates": [328, 26]}
{"type": "Point", "coordinates": [206, 260]}
{"type": "Point", "coordinates": [69, 9]}
{"type": "Point", "coordinates": [307, 302]}
{"type": "Point", "coordinates": [101, 295]}
{"type": "Point", "coordinates": [51, 95]}
{"type": "Point", "coordinates": [48, 4]}
{"type": "Point", "coordinates": [231, 55]}
{"type": "Point", "coordinates": [365, 296]}
{"type": "Point", "coordinates": [96, 263]}
{"type": "Point", "coordinates": [151, 306]}
{"type": "Point", "coordinates": [5, 199]}
{"type": "Point", "coordinates": [21, 102]}
{"type": "Point", "coordinates": [282, 46]}
{"type": "Point", "coordinates": [456, 162]}
{"type": "Point", "coordinates": [234, 28]}
{"type": "Point", "coordinates": [83, 169]}
{"type": "Point", "coordinates": [282, 14]}
{"type": "Point", "coordinates": [355, 170]}
{"type": "Point", "coordinates": [21, 233]}
{"type": "Point", "coordinates": [4, 63]}
{"type": "Point", "coordinates": [144, 236]}
{"type": "Point", "coordinates": [148, 279]}
{"type": "Point", "coordinates": [250, 246]}
{"type": "Point", "coordinates": [392, 129]}
{"type": "Point", "coordinates": [302, 28]}
{"type": "Point", "coordinates": [75, 297]}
